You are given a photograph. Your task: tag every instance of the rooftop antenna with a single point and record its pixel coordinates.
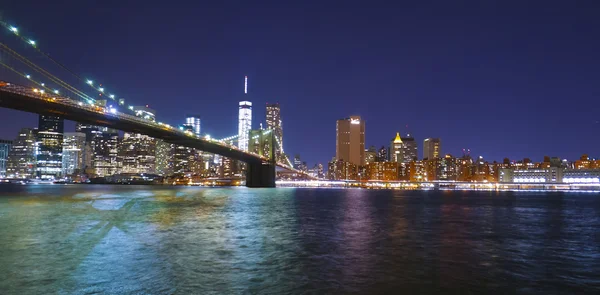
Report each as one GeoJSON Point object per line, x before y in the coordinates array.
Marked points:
{"type": "Point", "coordinates": [245, 84]}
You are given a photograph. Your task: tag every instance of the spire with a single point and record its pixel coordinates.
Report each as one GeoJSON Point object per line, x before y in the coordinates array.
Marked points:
{"type": "Point", "coordinates": [398, 139]}
{"type": "Point", "coordinates": [245, 84]}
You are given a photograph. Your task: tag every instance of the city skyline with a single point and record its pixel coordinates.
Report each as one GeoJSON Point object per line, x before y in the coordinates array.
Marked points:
{"type": "Point", "coordinates": [465, 74]}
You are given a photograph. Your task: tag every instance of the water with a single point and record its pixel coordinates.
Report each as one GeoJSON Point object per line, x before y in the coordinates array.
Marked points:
{"type": "Point", "coordinates": [189, 240]}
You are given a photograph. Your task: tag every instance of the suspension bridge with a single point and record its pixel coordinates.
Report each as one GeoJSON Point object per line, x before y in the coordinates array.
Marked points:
{"type": "Point", "coordinates": [51, 94]}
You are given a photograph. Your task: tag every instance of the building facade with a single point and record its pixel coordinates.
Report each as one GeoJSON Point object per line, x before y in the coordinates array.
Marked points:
{"type": "Point", "coordinates": [244, 124]}
{"type": "Point", "coordinates": [73, 150]}
{"type": "Point", "coordinates": [21, 157]}
{"type": "Point", "coordinates": [49, 146]}
{"type": "Point", "coordinates": [273, 119]}
{"type": "Point", "coordinates": [350, 140]}
{"type": "Point", "coordinates": [432, 148]}
{"type": "Point", "coordinates": [5, 146]}
{"type": "Point", "coordinates": [194, 122]}
{"type": "Point", "coordinates": [396, 150]}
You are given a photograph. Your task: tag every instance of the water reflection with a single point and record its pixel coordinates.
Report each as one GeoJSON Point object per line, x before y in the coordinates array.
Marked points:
{"type": "Point", "coordinates": [182, 240]}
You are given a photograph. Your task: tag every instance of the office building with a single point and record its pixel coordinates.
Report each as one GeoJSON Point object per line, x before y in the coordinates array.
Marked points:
{"type": "Point", "coordinates": [163, 158]}
{"type": "Point", "coordinates": [396, 149]}
{"type": "Point", "coordinates": [431, 148]}
{"type": "Point", "coordinates": [137, 153]}
{"type": "Point", "coordinates": [194, 122]}
{"type": "Point", "coordinates": [5, 146]}
{"type": "Point", "coordinates": [370, 155]}
{"type": "Point", "coordinates": [350, 140]}
{"type": "Point", "coordinates": [409, 149]}
{"type": "Point", "coordinates": [273, 119]}
{"type": "Point", "coordinates": [21, 157]}
{"type": "Point", "coordinates": [244, 124]}
{"type": "Point", "coordinates": [382, 171]}
{"type": "Point", "coordinates": [49, 146]}
{"type": "Point", "coordinates": [73, 150]}
{"type": "Point", "coordinates": [101, 150]}
{"type": "Point", "coordinates": [382, 155]}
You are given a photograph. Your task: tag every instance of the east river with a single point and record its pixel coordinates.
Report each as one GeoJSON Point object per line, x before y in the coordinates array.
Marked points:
{"type": "Point", "coordinates": [97, 239]}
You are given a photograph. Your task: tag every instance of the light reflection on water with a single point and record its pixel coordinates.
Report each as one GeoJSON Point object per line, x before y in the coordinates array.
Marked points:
{"type": "Point", "coordinates": [189, 240]}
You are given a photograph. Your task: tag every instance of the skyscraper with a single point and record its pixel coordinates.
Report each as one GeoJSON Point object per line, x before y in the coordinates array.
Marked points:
{"type": "Point", "coordinates": [350, 140]}
{"type": "Point", "coordinates": [194, 122]}
{"type": "Point", "coordinates": [4, 150]}
{"type": "Point", "coordinates": [244, 124]}
{"type": "Point", "coordinates": [137, 151]}
{"type": "Point", "coordinates": [274, 123]}
{"type": "Point", "coordinates": [73, 149]}
{"type": "Point", "coordinates": [49, 145]}
{"type": "Point", "coordinates": [409, 150]}
{"type": "Point", "coordinates": [21, 157]}
{"type": "Point", "coordinates": [244, 119]}
{"type": "Point", "coordinates": [396, 147]}
{"type": "Point", "coordinates": [431, 148]}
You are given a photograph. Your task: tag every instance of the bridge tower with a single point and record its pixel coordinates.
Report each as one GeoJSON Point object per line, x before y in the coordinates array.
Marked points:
{"type": "Point", "coordinates": [261, 173]}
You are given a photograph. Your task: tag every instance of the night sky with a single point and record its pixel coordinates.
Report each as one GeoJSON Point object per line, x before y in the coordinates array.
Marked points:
{"type": "Point", "coordinates": [503, 78]}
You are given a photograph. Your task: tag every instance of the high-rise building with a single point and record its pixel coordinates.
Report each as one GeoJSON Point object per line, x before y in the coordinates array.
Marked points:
{"type": "Point", "coordinates": [396, 149]}
{"type": "Point", "coordinates": [73, 150]}
{"type": "Point", "coordinates": [4, 150]}
{"type": "Point", "coordinates": [244, 124]}
{"type": "Point", "coordinates": [21, 157]}
{"type": "Point", "coordinates": [409, 150]}
{"type": "Point", "coordinates": [138, 151]}
{"type": "Point", "coordinates": [431, 148]}
{"type": "Point", "coordinates": [370, 155]}
{"type": "Point", "coordinates": [350, 140]}
{"type": "Point", "coordinates": [194, 122]}
{"type": "Point", "coordinates": [382, 155]}
{"type": "Point", "coordinates": [49, 145]}
{"type": "Point", "coordinates": [100, 156]}
{"type": "Point", "coordinates": [274, 123]}
{"type": "Point", "coordinates": [164, 153]}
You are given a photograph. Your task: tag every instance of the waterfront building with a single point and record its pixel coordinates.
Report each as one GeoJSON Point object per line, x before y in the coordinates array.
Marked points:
{"type": "Point", "coordinates": [431, 148]}
{"type": "Point", "coordinates": [73, 150]}
{"type": "Point", "coordinates": [49, 146]}
{"type": "Point", "coordinates": [387, 171]}
{"type": "Point", "coordinates": [163, 158]}
{"type": "Point", "coordinates": [342, 170]}
{"type": "Point", "coordinates": [21, 157]}
{"type": "Point", "coordinates": [350, 140]}
{"type": "Point", "coordinates": [5, 146]}
{"type": "Point", "coordinates": [549, 175]}
{"type": "Point", "coordinates": [137, 153]}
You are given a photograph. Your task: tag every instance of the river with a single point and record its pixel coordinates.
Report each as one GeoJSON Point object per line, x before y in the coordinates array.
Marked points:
{"type": "Point", "coordinates": [87, 239]}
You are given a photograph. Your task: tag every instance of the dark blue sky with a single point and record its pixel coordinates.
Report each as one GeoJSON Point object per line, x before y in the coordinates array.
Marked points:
{"type": "Point", "coordinates": [503, 78]}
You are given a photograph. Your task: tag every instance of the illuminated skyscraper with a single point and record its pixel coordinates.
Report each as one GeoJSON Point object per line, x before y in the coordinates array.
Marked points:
{"type": "Point", "coordinates": [244, 124]}
{"type": "Point", "coordinates": [396, 147]}
{"type": "Point", "coordinates": [73, 149]}
{"type": "Point", "coordinates": [274, 123]}
{"type": "Point", "coordinates": [409, 151]}
{"type": "Point", "coordinates": [21, 157]}
{"type": "Point", "coordinates": [431, 148]}
{"type": "Point", "coordinates": [244, 119]}
{"type": "Point", "coordinates": [49, 147]}
{"type": "Point", "coordinates": [350, 140]}
{"type": "Point", "coordinates": [137, 151]}
{"type": "Point", "coordinates": [4, 150]}
{"type": "Point", "coordinates": [194, 122]}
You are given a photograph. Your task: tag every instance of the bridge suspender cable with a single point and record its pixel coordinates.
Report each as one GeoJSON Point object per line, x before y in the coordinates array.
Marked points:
{"type": "Point", "coordinates": [45, 73]}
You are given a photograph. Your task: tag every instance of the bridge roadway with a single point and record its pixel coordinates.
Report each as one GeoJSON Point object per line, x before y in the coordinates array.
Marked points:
{"type": "Point", "coordinates": [260, 170]}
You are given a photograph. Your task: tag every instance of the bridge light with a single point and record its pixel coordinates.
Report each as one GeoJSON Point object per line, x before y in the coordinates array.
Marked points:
{"type": "Point", "coordinates": [32, 42]}
{"type": "Point", "coordinates": [90, 82]}
{"type": "Point", "coordinates": [112, 96]}
{"type": "Point", "coordinates": [42, 91]}
{"type": "Point", "coordinates": [101, 89]}
{"type": "Point", "coordinates": [35, 90]}
{"type": "Point", "coordinates": [14, 30]}
{"type": "Point", "coordinates": [131, 107]}
{"type": "Point", "coordinates": [113, 111]}
{"type": "Point", "coordinates": [43, 84]}
{"type": "Point", "coordinates": [56, 91]}
{"type": "Point", "coordinates": [28, 76]}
